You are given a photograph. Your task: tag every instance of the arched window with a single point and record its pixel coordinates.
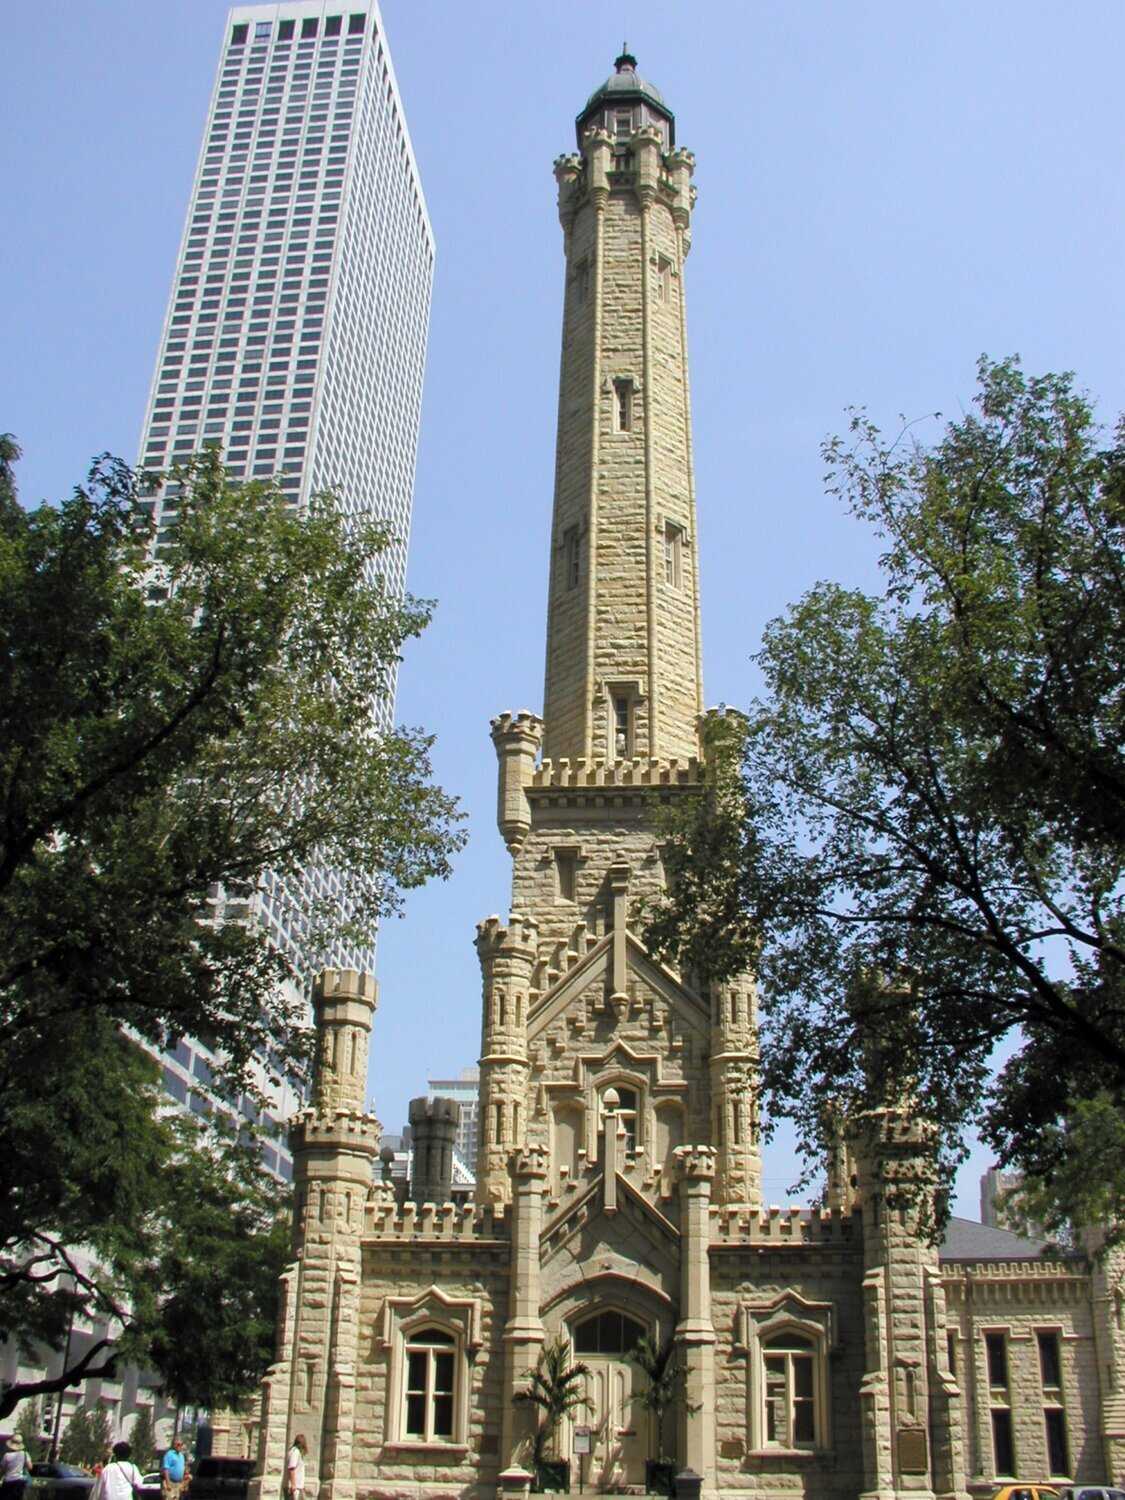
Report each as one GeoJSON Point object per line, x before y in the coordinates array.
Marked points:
{"type": "Point", "coordinates": [789, 1386]}
{"type": "Point", "coordinates": [609, 1332]}
{"type": "Point", "coordinates": [430, 1386]}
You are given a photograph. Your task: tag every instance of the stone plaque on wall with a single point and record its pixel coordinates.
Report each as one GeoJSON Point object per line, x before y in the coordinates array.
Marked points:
{"type": "Point", "coordinates": [489, 1445]}
{"type": "Point", "coordinates": [913, 1454]}
{"type": "Point", "coordinates": [731, 1448]}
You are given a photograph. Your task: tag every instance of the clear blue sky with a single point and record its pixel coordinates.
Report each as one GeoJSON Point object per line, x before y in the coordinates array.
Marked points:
{"type": "Point", "coordinates": [885, 192]}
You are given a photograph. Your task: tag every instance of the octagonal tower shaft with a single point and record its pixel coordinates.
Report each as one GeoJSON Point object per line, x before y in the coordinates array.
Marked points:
{"type": "Point", "coordinates": [623, 675]}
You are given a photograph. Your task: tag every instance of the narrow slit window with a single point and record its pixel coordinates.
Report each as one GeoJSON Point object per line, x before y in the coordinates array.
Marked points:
{"type": "Point", "coordinates": [572, 557]}
{"type": "Point", "coordinates": [623, 403]}
{"type": "Point", "coordinates": [566, 868]}
{"type": "Point", "coordinates": [622, 727]}
{"type": "Point", "coordinates": [673, 555]}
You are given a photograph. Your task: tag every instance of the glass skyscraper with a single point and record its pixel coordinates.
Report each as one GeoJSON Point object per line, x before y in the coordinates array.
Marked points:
{"type": "Point", "coordinates": [296, 329]}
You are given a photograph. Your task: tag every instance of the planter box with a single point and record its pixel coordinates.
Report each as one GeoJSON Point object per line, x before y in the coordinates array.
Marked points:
{"type": "Point", "coordinates": [660, 1476]}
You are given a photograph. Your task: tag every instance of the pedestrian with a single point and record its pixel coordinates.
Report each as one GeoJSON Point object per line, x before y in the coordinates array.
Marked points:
{"type": "Point", "coordinates": [13, 1470]}
{"type": "Point", "coordinates": [295, 1469]}
{"type": "Point", "coordinates": [120, 1479]}
{"type": "Point", "coordinates": [172, 1470]}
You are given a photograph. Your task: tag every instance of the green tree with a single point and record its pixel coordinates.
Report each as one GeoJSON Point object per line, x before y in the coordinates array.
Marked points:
{"type": "Point", "coordinates": [173, 731]}
{"type": "Point", "coordinates": [554, 1390]}
{"type": "Point", "coordinates": [75, 1447]}
{"type": "Point", "coordinates": [226, 1241]}
{"type": "Point", "coordinates": [168, 733]}
{"type": "Point", "coordinates": [932, 790]}
{"type": "Point", "coordinates": [29, 1425]}
{"type": "Point", "coordinates": [142, 1439]}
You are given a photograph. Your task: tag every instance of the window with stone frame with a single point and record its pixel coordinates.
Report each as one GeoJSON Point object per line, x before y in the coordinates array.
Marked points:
{"type": "Point", "coordinates": [786, 1341]}
{"type": "Point", "coordinates": [1054, 1410]}
{"type": "Point", "coordinates": [673, 555]}
{"type": "Point", "coordinates": [789, 1384]}
{"type": "Point", "coordinates": [430, 1339]}
{"type": "Point", "coordinates": [430, 1386]}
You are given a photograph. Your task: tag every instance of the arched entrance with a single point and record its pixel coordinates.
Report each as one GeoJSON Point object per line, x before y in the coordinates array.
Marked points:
{"type": "Point", "coordinates": [620, 1426]}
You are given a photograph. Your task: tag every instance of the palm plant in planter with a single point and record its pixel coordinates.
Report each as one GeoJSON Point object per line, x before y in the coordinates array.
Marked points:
{"type": "Point", "coordinates": [664, 1387]}
{"type": "Point", "coordinates": [554, 1387]}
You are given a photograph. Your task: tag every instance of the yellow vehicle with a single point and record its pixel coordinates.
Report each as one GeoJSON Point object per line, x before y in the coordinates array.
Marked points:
{"type": "Point", "coordinates": [1026, 1492]}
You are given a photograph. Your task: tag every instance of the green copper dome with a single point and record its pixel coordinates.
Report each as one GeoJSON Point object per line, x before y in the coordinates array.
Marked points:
{"type": "Point", "coordinates": [623, 86]}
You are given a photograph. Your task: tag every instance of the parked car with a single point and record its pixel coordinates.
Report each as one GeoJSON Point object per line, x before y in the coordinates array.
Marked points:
{"type": "Point", "coordinates": [1091, 1492]}
{"type": "Point", "coordinates": [150, 1486]}
{"type": "Point", "coordinates": [1026, 1492]}
{"type": "Point", "coordinates": [227, 1478]}
{"type": "Point", "coordinates": [54, 1481]}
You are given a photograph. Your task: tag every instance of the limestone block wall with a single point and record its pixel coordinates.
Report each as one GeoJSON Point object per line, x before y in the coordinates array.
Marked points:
{"type": "Point", "coordinates": [1018, 1301]}
{"type": "Point", "coordinates": [795, 1271]}
{"type": "Point", "coordinates": [448, 1267]}
{"type": "Point", "coordinates": [589, 818]}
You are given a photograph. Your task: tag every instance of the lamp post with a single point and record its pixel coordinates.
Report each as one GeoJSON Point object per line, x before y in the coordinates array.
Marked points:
{"type": "Point", "coordinates": [54, 1453]}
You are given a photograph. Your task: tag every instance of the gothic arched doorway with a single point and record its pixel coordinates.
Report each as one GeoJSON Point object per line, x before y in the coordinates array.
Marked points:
{"type": "Point", "coordinates": [620, 1425]}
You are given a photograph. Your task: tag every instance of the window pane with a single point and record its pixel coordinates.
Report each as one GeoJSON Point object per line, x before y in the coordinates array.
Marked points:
{"type": "Point", "coordinates": [803, 1431]}
{"type": "Point", "coordinates": [1002, 1449]}
{"type": "Point", "coordinates": [996, 1346]}
{"type": "Point", "coordinates": [1049, 1363]}
{"type": "Point", "coordinates": [802, 1376]}
{"type": "Point", "coordinates": [432, 1336]}
{"type": "Point", "coordinates": [416, 1416]}
{"type": "Point", "coordinates": [443, 1373]}
{"type": "Point", "coordinates": [443, 1416]}
{"type": "Point", "coordinates": [789, 1341]}
{"type": "Point", "coordinates": [416, 1372]}
{"type": "Point", "coordinates": [1055, 1419]}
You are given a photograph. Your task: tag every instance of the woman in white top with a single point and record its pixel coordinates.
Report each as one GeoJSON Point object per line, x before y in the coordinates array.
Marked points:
{"type": "Point", "coordinates": [13, 1470]}
{"type": "Point", "coordinates": [120, 1479]}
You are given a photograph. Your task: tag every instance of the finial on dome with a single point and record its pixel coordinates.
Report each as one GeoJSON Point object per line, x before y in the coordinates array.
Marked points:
{"type": "Point", "coordinates": [626, 63]}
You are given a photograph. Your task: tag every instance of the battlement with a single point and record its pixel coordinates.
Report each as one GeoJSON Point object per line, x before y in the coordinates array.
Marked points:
{"type": "Point", "coordinates": [737, 1225]}
{"type": "Point", "coordinates": [637, 772]}
{"type": "Point", "coordinates": [434, 1110]}
{"type": "Point", "coordinates": [523, 725]}
{"type": "Point", "coordinates": [311, 1127]}
{"type": "Point", "coordinates": [345, 984]}
{"type": "Point", "coordinates": [520, 935]}
{"type": "Point", "coordinates": [442, 1222]}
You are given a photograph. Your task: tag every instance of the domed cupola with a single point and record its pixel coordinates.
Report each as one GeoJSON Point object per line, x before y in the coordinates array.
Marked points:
{"type": "Point", "coordinates": [624, 103]}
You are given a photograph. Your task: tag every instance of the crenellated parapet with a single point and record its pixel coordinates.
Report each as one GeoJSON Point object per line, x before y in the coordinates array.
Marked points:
{"type": "Point", "coordinates": [634, 772]}
{"type": "Point", "coordinates": [782, 1227]}
{"type": "Point", "coordinates": [440, 1223]}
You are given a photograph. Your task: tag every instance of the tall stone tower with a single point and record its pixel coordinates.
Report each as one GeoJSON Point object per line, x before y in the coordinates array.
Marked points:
{"type": "Point", "coordinates": [828, 1351]}
{"type": "Point", "coordinates": [573, 1006]}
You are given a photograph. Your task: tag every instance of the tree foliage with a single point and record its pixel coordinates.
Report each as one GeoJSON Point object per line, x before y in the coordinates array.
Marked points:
{"type": "Point", "coordinates": [87, 1437]}
{"type": "Point", "coordinates": [933, 791]}
{"type": "Point", "coordinates": [142, 1439]}
{"type": "Point", "coordinates": [29, 1425]}
{"type": "Point", "coordinates": [184, 1232]}
{"type": "Point", "coordinates": [174, 724]}
{"type": "Point", "coordinates": [169, 732]}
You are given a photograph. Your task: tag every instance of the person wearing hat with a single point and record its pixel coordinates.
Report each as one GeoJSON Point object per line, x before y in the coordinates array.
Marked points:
{"type": "Point", "coordinates": [13, 1470]}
